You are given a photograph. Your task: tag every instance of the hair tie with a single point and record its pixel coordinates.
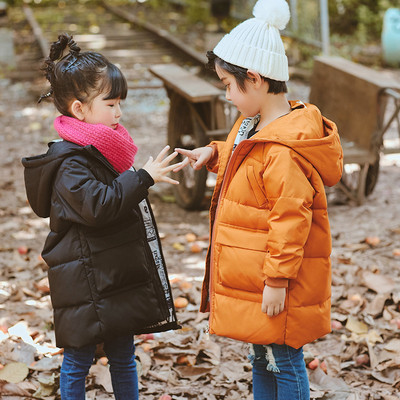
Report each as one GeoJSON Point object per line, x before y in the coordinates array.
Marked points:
{"type": "Point", "coordinates": [70, 64]}
{"type": "Point", "coordinates": [45, 96]}
{"type": "Point", "coordinates": [74, 49]}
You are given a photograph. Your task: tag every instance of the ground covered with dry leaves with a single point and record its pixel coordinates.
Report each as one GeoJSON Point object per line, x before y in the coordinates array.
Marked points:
{"type": "Point", "coordinates": [360, 359]}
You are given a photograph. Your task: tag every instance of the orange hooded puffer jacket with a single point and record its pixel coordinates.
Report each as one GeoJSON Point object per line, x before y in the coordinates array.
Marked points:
{"type": "Point", "coordinates": [269, 224]}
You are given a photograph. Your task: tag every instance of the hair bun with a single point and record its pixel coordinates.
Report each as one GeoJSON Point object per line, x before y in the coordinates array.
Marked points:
{"type": "Point", "coordinates": [274, 12]}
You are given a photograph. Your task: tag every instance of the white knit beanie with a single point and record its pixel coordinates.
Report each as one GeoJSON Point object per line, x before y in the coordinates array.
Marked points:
{"type": "Point", "coordinates": [256, 43]}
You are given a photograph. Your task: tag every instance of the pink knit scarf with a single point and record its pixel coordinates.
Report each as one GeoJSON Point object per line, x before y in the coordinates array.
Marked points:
{"type": "Point", "coordinates": [115, 144]}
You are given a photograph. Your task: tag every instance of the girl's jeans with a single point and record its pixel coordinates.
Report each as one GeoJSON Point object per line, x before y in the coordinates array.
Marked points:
{"type": "Point", "coordinates": [279, 373]}
{"type": "Point", "coordinates": [121, 356]}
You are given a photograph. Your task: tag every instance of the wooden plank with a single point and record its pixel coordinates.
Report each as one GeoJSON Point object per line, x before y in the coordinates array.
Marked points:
{"type": "Point", "coordinates": [347, 93]}
{"type": "Point", "coordinates": [37, 31]}
{"type": "Point", "coordinates": [358, 71]}
{"type": "Point", "coordinates": [190, 86]}
{"type": "Point", "coordinates": [161, 33]}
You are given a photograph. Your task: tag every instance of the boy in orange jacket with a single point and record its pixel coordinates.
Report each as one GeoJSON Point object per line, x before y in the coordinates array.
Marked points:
{"type": "Point", "coordinates": [268, 270]}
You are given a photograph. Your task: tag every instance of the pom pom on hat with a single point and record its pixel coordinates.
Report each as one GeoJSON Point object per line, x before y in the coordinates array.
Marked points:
{"type": "Point", "coordinates": [273, 12]}
{"type": "Point", "coordinates": [256, 43]}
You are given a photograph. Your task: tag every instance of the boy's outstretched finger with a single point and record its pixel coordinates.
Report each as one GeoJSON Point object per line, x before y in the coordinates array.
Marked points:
{"type": "Point", "coordinates": [184, 152]}
{"type": "Point", "coordinates": [181, 165]}
{"type": "Point", "coordinates": [199, 163]}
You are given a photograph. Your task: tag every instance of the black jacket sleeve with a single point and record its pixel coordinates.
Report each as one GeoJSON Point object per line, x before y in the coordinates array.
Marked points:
{"type": "Point", "coordinates": [87, 200]}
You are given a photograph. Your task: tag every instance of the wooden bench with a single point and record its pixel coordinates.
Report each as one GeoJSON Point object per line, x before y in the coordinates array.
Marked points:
{"type": "Point", "coordinates": [355, 98]}
{"type": "Point", "coordinates": [198, 114]}
{"type": "Point", "coordinates": [188, 85]}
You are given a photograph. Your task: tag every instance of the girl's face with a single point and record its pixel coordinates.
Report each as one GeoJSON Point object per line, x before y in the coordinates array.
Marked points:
{"type": "Point", "coordinates": [100, 111]}
{"type": "Point", "coordinates": [245, 101]}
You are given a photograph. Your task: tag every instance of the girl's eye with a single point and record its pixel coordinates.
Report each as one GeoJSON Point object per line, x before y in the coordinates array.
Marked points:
{"type": "Point", "coordinates": [114, 104]}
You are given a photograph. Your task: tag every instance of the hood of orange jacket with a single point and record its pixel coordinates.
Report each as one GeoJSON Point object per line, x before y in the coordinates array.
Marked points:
{"type": "Point", "coordinates": [311, 135]}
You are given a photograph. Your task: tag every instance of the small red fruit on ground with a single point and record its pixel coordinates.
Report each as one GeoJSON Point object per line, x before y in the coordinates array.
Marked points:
{"type": "Point", "coordinates": [313, 364]}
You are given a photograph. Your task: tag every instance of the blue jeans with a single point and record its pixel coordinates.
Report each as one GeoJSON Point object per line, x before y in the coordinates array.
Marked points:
{"type": "Point", "coordinates": [121, 356]}
{"type": "Point", "coordinates": [279, 373]}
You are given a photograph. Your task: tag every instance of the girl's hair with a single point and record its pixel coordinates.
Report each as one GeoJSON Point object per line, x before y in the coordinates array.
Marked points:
{"type": "Point", "coordinates": [80, 76]}
{"type": "Point", "coordinates": [241, 76]}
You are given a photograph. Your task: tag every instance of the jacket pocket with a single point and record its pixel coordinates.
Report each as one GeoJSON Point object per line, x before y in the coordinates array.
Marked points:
{"type": "Point", "coordinates": [62, 278]}
{"type": "Point", "coordinates": [256, 187]}
{"type": "Point", "coordinates": [119, 259]}
{"type": "Point", "coordinates": [241, 269]}
{"type": "Point", "coordinates": [239, 258]}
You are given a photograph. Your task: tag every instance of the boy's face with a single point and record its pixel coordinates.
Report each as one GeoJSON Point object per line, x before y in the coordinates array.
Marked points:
{"type": "Point", "coordinates": [247, 102]}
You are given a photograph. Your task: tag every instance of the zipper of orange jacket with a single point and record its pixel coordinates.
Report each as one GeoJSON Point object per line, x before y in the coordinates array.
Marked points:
{"type": "Point", "coordinates": [211, 277]}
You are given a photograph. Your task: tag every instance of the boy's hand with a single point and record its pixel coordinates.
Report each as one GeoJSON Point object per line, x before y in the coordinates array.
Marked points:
{"type": "Point", "coordinates": [159, 168]}
{"type": "Point", "coordinates": [273, 301]}
{"type": "Point", "coordinates": [196, 158]}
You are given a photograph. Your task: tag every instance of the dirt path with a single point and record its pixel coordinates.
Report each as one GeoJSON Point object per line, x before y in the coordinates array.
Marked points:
{"type": "Point", "coordinates": [366, 276]}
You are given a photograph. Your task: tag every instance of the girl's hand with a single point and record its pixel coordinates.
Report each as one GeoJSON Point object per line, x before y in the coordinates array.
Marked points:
{"type": "Point", "coordinates": [273, 301]}
{"type": "Point", "coordinates": [159, 168]}
{"type": "Point", "coordinates": [196, 158]}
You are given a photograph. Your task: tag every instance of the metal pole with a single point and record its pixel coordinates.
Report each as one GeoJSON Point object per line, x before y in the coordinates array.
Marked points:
{"type": "Point", "coordinates": [325, 27]}
{"type": "Point", "coordinates": [294, 17]}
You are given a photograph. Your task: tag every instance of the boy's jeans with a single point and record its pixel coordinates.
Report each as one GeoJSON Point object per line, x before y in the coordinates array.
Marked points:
{"type": "Point", "coordinates": [121, 356]}
{"type": "Point", "coordinates": [279, 373]}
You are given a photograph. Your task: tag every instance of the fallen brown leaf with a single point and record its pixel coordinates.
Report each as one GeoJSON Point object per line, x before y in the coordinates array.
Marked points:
{"type": "Point", "coordinates": [376, 306]}
{"type": "Point", "coordinates": [21, 389]}
{"type": "Point", "coordinates": [378, 283]}
{"type": "Point", "coordinates": [193, 372]}
{"type": "Point", "coordinates": [356, 326]}
{"type": "Point", "coordinates": [14, 372]}
{"type": "Point", "coordinates": [101, 375]}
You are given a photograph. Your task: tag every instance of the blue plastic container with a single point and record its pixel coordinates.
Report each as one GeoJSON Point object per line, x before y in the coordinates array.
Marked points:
{"type": "Point", "coordinates": [391, 37]}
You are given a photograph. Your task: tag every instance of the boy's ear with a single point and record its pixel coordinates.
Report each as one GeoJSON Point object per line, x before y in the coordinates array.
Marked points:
{"type": "Point", "coordinates": [76, 109]}
{"type": "Point", "coordinates": [254, 77]}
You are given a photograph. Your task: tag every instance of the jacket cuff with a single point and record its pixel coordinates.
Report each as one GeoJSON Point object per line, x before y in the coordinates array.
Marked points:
{"type": "Point", "coordinates": [277, 282]}
{"type": "Point", "coordinates": [213, 159]}
{"type": "Point", "coordinates": [145, 177]}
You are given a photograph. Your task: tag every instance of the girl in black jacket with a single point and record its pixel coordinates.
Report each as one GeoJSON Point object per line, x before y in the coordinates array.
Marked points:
{"type": "Point", "coordinates": [107, 273]}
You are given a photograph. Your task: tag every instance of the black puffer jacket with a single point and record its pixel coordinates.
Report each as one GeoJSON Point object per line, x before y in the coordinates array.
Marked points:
{"type": "Point", "coordinates": [104, 281]}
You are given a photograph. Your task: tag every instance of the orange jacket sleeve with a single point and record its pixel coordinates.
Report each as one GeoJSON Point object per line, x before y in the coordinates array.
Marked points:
{"type": "Point", "coordinates": [290, 197]}
{"type": "Point", "coordinates": [213, 163]}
